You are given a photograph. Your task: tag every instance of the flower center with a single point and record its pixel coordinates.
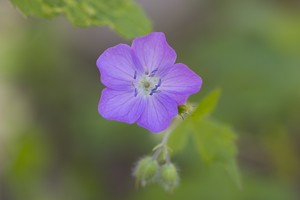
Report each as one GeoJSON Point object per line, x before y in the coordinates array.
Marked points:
{"type": "Point", "coordinates": [146, 84]}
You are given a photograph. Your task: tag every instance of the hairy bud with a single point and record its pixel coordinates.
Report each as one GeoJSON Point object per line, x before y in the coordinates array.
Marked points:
{"type": "Point", "coordinates": [146, 171]}
{"type": "Point", "coordinates": [169, 176]}
{"type": "Point", "coordinates": [185, 109]}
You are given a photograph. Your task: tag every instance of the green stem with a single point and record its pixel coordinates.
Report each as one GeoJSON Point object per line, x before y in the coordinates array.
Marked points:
{"type": "Point", "coordinates": [163, 145]}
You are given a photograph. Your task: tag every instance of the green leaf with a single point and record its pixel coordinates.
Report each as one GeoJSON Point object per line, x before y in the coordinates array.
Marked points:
{"type": "Point", "coordinates": [123, 16]}
{"type": "Point", "coordinates": [215, 141]}
{"type": "Point", "coordinates": [179, 137]}
{"type": "Point", "coordinates": [39, 8]}
{"type": "Point", "coordinates": [233, 170]}
{"type": "Point", "coordinates": [207, 105]}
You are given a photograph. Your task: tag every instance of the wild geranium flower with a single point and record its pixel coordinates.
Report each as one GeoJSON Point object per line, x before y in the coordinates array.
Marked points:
{"type": "Point", "coordinates": [143, 83]}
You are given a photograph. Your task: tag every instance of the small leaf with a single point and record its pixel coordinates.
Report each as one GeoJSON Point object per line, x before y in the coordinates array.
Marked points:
{"type": "Point", "coordinates": [215, 141]}
{"type": "Point", "coordinates": [207, 105]}
{"type": "Point", "coordinates": [179, 137]}
{"type": "Point", "coordinates": [233, 170]}
{"type": "Point", "coordinates": [123, 16]}
{"type": "Point", "coordinates": [216, 145]}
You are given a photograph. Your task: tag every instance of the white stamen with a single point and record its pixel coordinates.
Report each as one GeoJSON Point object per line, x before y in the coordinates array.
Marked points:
{"type": "Point", "coordinates": [146, 85]}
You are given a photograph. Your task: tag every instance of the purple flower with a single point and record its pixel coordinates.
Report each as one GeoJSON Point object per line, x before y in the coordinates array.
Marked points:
{"type": "Point", "coordinates": [143, 83]}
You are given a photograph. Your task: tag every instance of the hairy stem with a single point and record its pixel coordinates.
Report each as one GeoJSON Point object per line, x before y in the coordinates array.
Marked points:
{"type": "Point", "coordinates": [163, 145]}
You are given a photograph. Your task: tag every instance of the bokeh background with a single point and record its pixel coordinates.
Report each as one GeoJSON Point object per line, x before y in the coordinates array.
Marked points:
{"type": "Point", "coordinates": [54, 144]}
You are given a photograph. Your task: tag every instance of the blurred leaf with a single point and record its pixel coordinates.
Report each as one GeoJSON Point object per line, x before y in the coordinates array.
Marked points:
{"type": "Point", "coordinates": [207, 105]}
{"type": "Point", "coordinates": [31, 154]}
{"type": "Point", "coordinates": [179, 137]}
{"type": "Point", "coordinates": [30, 159]}
{"type": "Point", "coordinates": [216, 145]}
{"type": "Point", "coordinates": [233, 170]}
{"type": "Point", "coordinates": [215, 141]}
{"type": "Point", "coordinates": [124, 16]}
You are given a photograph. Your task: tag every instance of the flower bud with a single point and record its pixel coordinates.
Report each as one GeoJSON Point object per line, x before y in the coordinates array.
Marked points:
{"type": "Point", "coordinates": [185, 109]}
{"type": "Point", "coordinates": [169, 176]}
{"type": "Point", "coordinates": [182, 109]}
{"type": "Point", "coordinates": [146, 171]}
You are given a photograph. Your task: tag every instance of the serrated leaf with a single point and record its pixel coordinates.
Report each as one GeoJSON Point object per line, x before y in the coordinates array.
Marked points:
{"type": "Point", "coordinates": [123, 16]}
{"type": "Point", "coordinates": [207, 105]}
{"type": "Point", "coordinates": [215, 141]}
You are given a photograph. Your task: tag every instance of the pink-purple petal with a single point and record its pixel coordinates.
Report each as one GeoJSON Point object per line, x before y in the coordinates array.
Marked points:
{"type": "Point", "coordinates": [116, 67]}
{"type": "Point", "coordinates": [124, 70]}
{"type": "Point", "coordinates": [180, 80]}
{"type": "Point", "coordinates": [153, 52]}
{"type": "Point", "coordinates": [179, 98]}
{"type": "Point", "coordinates": [158, 113]}
{"type": "Point", "coordinates": [121, 106]}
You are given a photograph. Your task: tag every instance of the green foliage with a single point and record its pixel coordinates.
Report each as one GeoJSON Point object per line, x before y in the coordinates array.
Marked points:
{"type": "Point", "coordinates": [233, 170]}
{"type": "Point", "coordinates": [179, 136]}
{"type": "Point", "coordinates": [215, 141]}
{"type": "Point", "coordinates": [123, 16]}
{"type": "Point", "coordinates": [29, 161]}
{"type": "Point", "coordinates": [212, 184]}
{"type": "Point", "coordinates": [207, 105]}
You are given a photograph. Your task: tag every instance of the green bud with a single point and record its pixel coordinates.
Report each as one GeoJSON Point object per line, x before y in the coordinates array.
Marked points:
{"type": "Point", "coordinates": [146, 171]}
{"type": "Point", "coordinates": [185, 109]}
{"type": "Point", "coordinates": [182, 109]}
{"type": "Point", "coordinates": [169, 176]}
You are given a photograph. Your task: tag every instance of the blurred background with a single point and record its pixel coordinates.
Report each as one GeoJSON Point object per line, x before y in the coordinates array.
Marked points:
{"type": "Point", "coordinates": [54, 144]}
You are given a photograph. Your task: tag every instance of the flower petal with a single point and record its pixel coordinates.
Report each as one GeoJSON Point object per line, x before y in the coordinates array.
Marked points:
{"type": "Point", "coordinates": [180, 81]}
{"type": "Point", "coordinates": [121, 106]}
{"type": "Point", "coordinates": [153, 52]}
{"type": "Point", "coordinates": [117, 67]}
{"type": "Point", "coordinates": [158, 113]}
{"type": "Point", "coordinates": [179, 98]}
